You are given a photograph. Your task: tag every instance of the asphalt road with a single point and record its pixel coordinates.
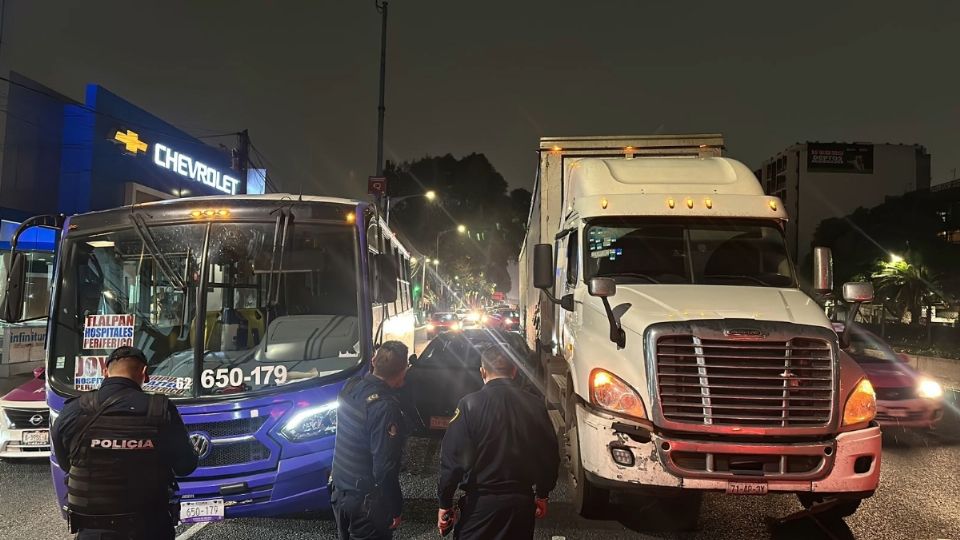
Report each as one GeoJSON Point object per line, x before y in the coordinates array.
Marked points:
{"type": "Point", "coordinates": [919, 498]}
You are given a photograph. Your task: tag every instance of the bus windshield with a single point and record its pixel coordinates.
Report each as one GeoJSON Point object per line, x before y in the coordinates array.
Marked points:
{"type": "Point", "coordinates": [277, 304]}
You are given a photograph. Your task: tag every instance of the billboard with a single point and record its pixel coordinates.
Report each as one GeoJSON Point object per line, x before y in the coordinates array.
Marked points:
{"type": "Point", "coordinates": [840, 158]}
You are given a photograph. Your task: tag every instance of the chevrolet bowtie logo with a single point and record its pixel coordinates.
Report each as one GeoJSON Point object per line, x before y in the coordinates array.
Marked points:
{"type": "Point", "coordinates": [131, 142]}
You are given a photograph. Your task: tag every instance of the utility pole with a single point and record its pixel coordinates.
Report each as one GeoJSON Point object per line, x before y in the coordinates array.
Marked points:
{"type": "Point", "coordinates": [382, 8]}
{"type": "Point", "coordinates": [242, 157]}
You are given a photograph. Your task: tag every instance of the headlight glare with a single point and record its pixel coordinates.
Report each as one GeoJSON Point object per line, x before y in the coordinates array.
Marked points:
{"type": "Point", "coordinates": [311, 423]}
{"type": "Point", "coordinates": [611, 393]}
{"type": "Point", "coordinates": [929, 389]}
{"type": "Point", "coordinates": [861, 406]}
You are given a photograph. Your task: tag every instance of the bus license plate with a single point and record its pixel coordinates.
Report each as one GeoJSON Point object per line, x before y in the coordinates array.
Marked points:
{"type": "Point", "coordinates": [439, 422]}
{"type": "Point", "coordinates": [746, 488]}
{"type": "Point", "coordinates": [200, 511]}
{"type": "Point", "coordinates": [37, 438]}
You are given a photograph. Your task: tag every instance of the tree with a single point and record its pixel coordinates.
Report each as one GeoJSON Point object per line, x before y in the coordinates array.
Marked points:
{"type": "Point", "coordinates": [471, 192]}
{"type": "Point", "coordinates": [905, 288]}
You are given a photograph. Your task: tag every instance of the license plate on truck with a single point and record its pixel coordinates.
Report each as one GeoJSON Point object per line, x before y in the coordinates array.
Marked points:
{"type": "Point", "coordinates": [439, 422]}
{"type": "Point", "coordinates": [746, 488]}
{"type": "Point", "coordinates": [200, 511]}
{"type": "Point", "coordinates": [36, 438]}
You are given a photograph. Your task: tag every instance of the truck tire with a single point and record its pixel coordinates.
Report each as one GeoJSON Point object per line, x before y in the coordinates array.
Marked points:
{"type": "Point", "coordinates": [589, 500]}
{"type": "Point", "coordinates": [844, 508]}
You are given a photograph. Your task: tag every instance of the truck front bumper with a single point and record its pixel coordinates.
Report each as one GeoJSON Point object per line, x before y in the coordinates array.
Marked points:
{"type": "Point", "coordinates": [847, 463]}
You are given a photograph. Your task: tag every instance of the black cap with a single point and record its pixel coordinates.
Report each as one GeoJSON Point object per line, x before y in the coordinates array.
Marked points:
{"type": "Point", "coordinates": [126, 352]}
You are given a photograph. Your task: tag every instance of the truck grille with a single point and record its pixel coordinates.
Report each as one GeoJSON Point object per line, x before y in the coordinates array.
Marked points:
{"type": "Point", "coordinates": [28, 418]}
{"type": "Point", "coordinates": [745, 383]}
{"type": "Point", "coordinates": [236, 453]}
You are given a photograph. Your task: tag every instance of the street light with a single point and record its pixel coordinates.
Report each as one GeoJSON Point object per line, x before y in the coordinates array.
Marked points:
{"type": "Point", "coordinates": [430, 195]}
{"type": "Point", "coordinates": [461, 229]}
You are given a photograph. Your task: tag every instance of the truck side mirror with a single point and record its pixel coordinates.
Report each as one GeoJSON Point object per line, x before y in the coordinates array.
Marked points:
{"type": "Point", "coordinates": [543, 271]}
{"type": "Point", "coordinates": [858, 292]}
{"type": "Point", "coordinates": [822, 270]}
{"type": "Point", "coordinates": [11, 306]}
{"type": "Point", "coordinates": [386, 278]}
{"type": "Point", "coordinates": [602, 287]}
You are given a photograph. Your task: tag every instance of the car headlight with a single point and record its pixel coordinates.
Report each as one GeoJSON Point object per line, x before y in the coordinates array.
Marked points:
{"type": "Point", "coordinates": [431, 327]}
{"type": "Point", "coordinates": [609, 392]}
{"type": "Point", "coordinates": [929, 389]}
{"type": "Point", "coordinates": [861, 406]}
{"type": "Point", "coordinates": [455, 326]}
{"type": "Point", "coordinates": [312, 423]}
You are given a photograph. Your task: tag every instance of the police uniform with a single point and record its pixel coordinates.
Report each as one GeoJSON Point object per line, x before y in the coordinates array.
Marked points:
{"type": "Point", "coordinates": [365, 482]}
{"type": "Point", "coordinates": [500, 444]}
{"type": "Point", "coordinates": [121, 448]}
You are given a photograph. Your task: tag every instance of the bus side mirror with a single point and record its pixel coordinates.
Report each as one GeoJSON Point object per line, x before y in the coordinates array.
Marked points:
{"type": "Point", "coordinates": [543, 270]}
{"type": "Point", "coordinates": [386, 279]}
{"type": "Point", "coordinates": [822, 270]}
{"type": "Point", "coordinates": [11, 306]}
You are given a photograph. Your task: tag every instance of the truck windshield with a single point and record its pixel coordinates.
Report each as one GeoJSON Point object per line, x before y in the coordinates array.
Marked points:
{"type": "Point", "coordinates": [670, 251]}
{"type": "Point", "coordinates": [279, 305]}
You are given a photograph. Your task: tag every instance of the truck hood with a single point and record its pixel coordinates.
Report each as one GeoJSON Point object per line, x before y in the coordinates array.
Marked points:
{"type": "Point", "coordinates": [641, 305]}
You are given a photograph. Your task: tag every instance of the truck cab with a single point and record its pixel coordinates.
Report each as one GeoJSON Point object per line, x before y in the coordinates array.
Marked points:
{"type": "Point", "coordinates": [679, 349]}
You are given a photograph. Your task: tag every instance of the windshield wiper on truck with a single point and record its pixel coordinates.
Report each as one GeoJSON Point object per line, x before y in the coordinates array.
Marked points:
{"type": "Point", "coordinates": [150, 243]}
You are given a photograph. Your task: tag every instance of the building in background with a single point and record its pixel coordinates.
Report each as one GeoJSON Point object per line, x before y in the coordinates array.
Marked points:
{"type": "Point", "coordinates": [60, 156]}
{"type": "Point", "coordinates": [818, 180]}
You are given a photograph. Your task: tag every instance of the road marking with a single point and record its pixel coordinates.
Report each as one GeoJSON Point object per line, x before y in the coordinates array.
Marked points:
{"type": "Point", "coordinates": [193, 530]}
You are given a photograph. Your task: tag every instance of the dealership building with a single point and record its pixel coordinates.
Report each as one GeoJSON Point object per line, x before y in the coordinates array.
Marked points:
{"type": "Point", "coordinates": [817, 181]}
{"type": "Point", "coordinates": [62, 156]}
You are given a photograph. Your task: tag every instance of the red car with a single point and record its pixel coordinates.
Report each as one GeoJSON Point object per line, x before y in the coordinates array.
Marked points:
{"type": "Point", "coordinates": [505, 319]}
{"type": "Point", "coordinates": [905, 398]}
{"type": "Point", "coordinates": [443, 322]}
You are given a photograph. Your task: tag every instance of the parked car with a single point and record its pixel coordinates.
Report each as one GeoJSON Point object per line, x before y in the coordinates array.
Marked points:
{"type": "Point", "coordinates": [505, 319]}
{"type": "Point", "coordinates": [25, 420]}
{"type": "Point", "coordinates": [449, 369]}
{"type": "Point", "coordinates": [443, 322]}
{"type": "Point", "coordinates": [905, 397]}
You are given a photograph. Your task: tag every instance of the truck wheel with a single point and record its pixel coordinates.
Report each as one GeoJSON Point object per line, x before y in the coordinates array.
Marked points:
{"type": "Point", "coordinates": [842, 509]}
{"type": "Point", "coordinates": [589, 500]}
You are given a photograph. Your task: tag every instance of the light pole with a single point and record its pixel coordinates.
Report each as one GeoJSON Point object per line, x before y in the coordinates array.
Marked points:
{"type": "Point", "coordinates": [430, 195]}
{"type": "Point", "coordinates": [459, 228]}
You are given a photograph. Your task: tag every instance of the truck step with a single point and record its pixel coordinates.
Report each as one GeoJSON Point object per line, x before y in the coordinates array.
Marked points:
{"type": "Point", "coordinates": [557, 390]}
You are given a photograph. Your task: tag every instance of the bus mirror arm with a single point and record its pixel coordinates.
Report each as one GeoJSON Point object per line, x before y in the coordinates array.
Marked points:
{"type": "Point", "coordinates": [11, 304]}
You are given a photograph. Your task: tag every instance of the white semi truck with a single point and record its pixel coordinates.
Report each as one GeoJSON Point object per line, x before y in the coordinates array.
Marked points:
{"type": "Point", "coordinates": [676, 347]}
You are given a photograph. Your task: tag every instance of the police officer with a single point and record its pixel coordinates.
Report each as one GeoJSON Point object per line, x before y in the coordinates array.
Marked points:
{"type": "Point", "coordinates": [500, 446]}
{"type": "Point", "coordinates": [121, 448]}
{"type": "Point", "coordinates": [366, 496]}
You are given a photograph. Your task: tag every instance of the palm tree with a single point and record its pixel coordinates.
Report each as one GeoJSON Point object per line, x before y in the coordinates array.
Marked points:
{"type": "Point", "coordinates": [905, 288]}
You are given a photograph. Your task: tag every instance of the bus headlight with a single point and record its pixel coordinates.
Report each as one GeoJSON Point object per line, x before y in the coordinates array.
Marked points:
{"type": "Point", "coordinates": [311, 423]}
{"type": "Point", "coordinates": [613, 394]}
{"type": "Point", "coordinates": [861, 406]}
{"type": "Point", "coordinates": [929, 389]}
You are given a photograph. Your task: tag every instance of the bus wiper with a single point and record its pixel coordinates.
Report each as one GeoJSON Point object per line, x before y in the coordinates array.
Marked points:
{"type": "Point", "coordinates": [273, 299]}
{"type": "Point", "coordinates": [151, 244]}
{"type": "Point", "coordinates": [632, 274]}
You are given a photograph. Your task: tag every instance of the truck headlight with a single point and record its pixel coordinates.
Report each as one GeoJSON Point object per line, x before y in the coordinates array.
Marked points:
{"type": "Point", "coordinates": [610, 392]}
{"type": "Point", "coordinates": [311, 423]}
{"type": "Point", "coordinates": [861, 406]}
{"type": "Point", "coordinates": [929, 389]}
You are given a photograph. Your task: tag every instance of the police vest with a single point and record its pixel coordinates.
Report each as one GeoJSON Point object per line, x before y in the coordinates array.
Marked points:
{"type": "Point", "coordinates": [352, 457]}
{"type": "Point", "coordinates": [115, 461]}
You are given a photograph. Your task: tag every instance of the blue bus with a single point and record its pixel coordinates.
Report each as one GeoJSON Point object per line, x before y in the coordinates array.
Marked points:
{"type": "Point", "coordinates": [252, 312]}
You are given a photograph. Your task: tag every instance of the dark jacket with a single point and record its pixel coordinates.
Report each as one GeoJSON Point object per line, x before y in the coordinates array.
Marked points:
{"type": "Point", "coordinates": [500, 441]}
{"type": "Point", "coordinates": [370, 437]}
{"type": "Point", "coordinates": [174, 444]}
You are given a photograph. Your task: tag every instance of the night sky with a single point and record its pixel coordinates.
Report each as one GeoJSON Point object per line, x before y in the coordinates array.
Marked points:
{"type": "Point", "coordinates": [493, 76]}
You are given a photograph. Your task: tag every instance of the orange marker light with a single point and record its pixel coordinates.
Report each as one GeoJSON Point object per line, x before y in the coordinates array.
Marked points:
{"type": "Point", "coordinates": [603, 203]}
{"type": "Point", "coordinates": [351, 217]}
{"type": "Point", "coordinates": [223, 212]}
{"type": "Point", "coordinates": [708, 203]}
{"type": "Point", "coordinates": [671, 203]}
{"type": "Point", "coordinates": [773, 205]}
{"type": "Point", "coordinates": [556, 148]}
{"type": "Point", "coordinates": [690, 204]}
{"type": "Point", "coordinates": [196, 213]}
